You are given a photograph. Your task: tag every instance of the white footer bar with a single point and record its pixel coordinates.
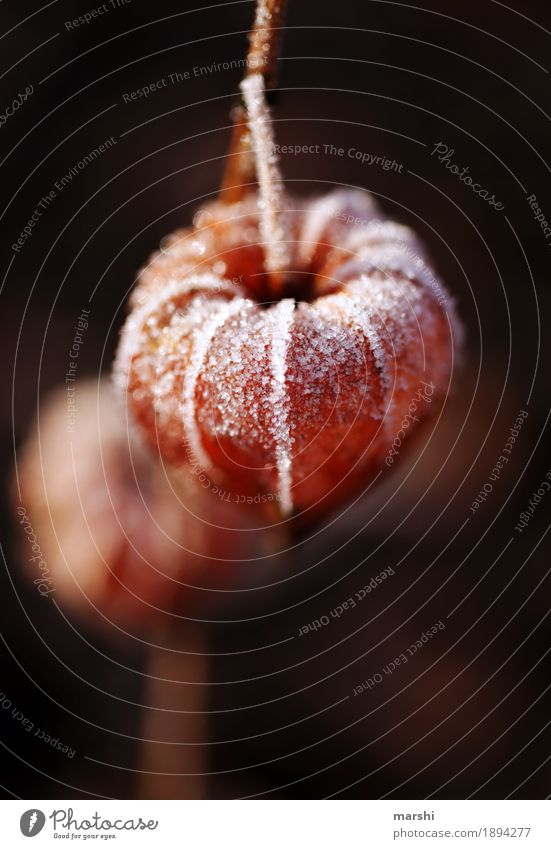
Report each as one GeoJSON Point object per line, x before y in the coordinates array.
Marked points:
{"type": "Point", "coordinates": [277, 824]}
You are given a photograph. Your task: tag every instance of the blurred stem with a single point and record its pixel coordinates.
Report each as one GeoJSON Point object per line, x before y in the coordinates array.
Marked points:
{"type": "Point", "coordinates": [173, 759]}
{"type": "Point", "coordinates": [274, 229]}
{"type": "Point", "coordinates": [239, 174]}
{"type": "Point", "coordinates": [265, 40]}
{"type": "Point", "coordinates": [262, 57]}
{"type": "Point", "coordinates": [174, 756]}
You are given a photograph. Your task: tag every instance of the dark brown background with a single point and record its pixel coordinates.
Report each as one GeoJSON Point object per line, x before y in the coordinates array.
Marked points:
{"type": "Point", "coordinates": [470, 714]}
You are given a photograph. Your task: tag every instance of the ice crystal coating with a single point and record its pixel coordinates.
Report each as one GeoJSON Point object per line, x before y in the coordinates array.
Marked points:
{"type": "Point", "coordinates": [273, 222]}
{"type": "Point", "coordinates": [301, 398]}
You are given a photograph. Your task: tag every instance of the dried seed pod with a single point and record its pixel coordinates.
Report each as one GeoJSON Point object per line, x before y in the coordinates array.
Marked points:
{"type": "Point", "coordinates": [298, 399]}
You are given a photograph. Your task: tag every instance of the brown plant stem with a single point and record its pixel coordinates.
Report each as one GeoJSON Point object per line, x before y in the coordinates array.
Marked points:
{"type": "Point", "coordinates": [264, 47]}
{"type": "Point", "coordinates": [252, 144]}
{"type": "Point", "coordinates": [265, 40]}
{"type": "Point", "coordinates": [239, 174]}
{"type": "Point", "coordinates": [174, 752]}
{"type": "Point", "coordinates": [273, 222]}
{"type": "Point", "coordinates": [173, 758]}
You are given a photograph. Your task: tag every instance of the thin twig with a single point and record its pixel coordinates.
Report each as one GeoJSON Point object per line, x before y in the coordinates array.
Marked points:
{"type": "Point", "coordinates": [264, 46]}
{"type": "Point", "coordinates": [239, 175]}
{"type": "Point", "coordinates": [173, 757]}
{"type": "Point", "coordinates": [265, 40]}
{"type": "Point", "coordinates": [273, 224]}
